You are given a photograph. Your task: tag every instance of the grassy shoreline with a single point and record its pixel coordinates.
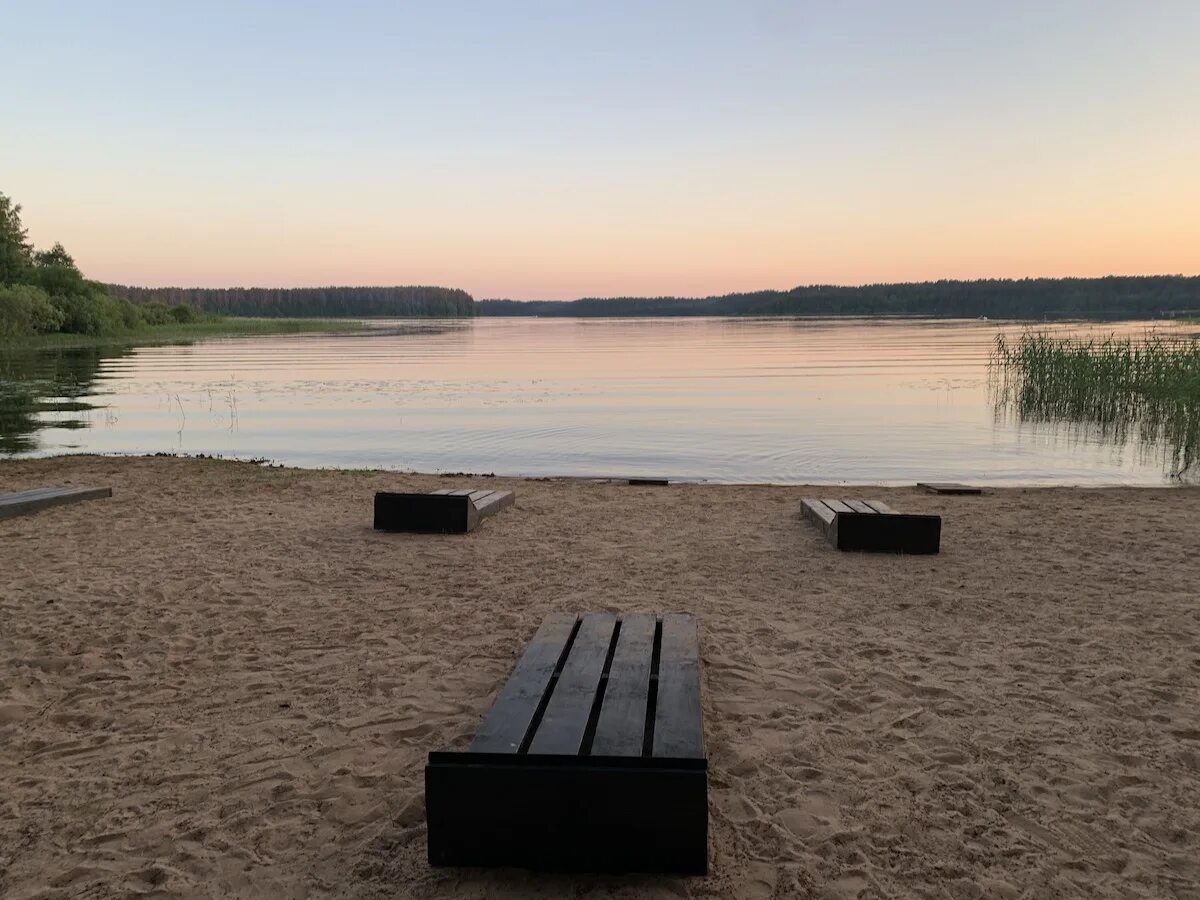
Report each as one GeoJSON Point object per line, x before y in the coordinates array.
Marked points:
{"type": "Point", "coordinates": [231, 326]}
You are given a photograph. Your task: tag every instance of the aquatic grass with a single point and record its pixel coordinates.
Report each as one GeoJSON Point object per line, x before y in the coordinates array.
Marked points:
{"type": "Point", "coordinates": [1150, 388]}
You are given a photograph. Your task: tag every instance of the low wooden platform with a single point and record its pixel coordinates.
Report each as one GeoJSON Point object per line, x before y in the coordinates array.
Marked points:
{"type": "Point", "coordinates": [873, 526]}
{"type": "Point", "coordinates": [25, 502]}
{"type": "Point", "coordinates": [649, 482]}
{"type": "Point", "coordinates": [948, 487]}
{"type": "Point", "coordinates": [445, 511]}
{"type": "Point", "coordinates": [591, 758]}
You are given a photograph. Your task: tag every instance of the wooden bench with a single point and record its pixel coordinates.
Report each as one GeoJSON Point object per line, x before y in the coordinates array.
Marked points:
{"type": "Point", "coordinates": [590, 760]}
{"type": "Point", "coordinates": [874, 526]}
{"type": "Point", "coordinates": [948, 487]}
{"type": "Point", "coordinates": [443, 511]}
{"type": "Point", "coordinates": [25, 502]}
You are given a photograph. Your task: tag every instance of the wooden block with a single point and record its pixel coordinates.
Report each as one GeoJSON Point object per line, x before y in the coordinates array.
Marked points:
{"type": "Point", "coordinates": [872, 525]}
{"type": "Point", "coordinates": [948, 487]}
{"type": "Point", "coordinates": [440, 512]}
{"type": "Point", "coordinates": [591, 759]}
{"type": "Point", "coordinates": [650, 482]}
{"type": "Point", "coordinates": [26, 502]}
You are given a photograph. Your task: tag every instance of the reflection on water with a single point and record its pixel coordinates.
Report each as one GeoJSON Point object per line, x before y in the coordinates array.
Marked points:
{"type": "Point", "coordinates": [778, 400]}
{"type": "Point", "coordinates": [47, 388]}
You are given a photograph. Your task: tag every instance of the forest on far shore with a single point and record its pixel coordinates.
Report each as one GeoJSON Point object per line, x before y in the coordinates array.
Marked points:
{"type": "Point", "coordinates": [321, 302]}
{"type": "Point", "coordinates": [1112, 297]}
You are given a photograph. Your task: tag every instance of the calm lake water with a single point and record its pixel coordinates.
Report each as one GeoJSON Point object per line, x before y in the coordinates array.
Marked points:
{"type": "Point", "coordinates": [779, 400]}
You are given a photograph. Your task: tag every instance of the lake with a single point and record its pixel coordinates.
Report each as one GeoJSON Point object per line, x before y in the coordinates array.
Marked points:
{"type": "Point", "coordinates": [730, 400]}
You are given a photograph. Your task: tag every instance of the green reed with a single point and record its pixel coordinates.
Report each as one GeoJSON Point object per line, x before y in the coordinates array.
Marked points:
{"type": "Point", "coordinates": [1121, 387]}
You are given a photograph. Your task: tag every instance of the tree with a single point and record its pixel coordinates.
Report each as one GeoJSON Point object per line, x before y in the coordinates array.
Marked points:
{"type": "Point", "coordinates": [56, 273]}
{"type": "Point", "coordinates": [16, 253]}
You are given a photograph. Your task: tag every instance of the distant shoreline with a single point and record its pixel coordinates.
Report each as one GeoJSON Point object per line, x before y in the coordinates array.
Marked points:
{"type": "Point", "coordinates": [230, 326]}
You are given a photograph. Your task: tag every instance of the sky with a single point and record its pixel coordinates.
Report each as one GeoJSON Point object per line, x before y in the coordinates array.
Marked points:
{"type": "Point", "coordinates": [555, 150]}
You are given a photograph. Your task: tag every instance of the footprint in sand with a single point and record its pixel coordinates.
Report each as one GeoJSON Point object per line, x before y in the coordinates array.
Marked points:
{"type": "Point", "coordinates": [813, 815]}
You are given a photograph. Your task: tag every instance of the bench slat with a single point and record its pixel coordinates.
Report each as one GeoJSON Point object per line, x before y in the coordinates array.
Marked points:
{"type": "Point", "coordinates": [31, 501]}
{"type": "Point", "coordinates": [817, 510]}
{"type": "Point", "coordinates": [880, 507]}
{"type": "Point", "coordinates": [506, 724]}
{"type": "Point", "coordinates": [620, 730]}
{"type": "Point", "coordinates": [494, 502]}
{"type": "Point", "coordinates": [566, 717]}
{"type": "Point", "coordinates": [836, 505]}
{"type": "Point", "coordinates": [678, 721]}
{"type": "Point", "coordinates": [860, 506]}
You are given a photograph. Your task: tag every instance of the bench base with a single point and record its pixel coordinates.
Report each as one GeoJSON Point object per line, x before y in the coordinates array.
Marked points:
{"type": "Point", "coordinates": [568, 813]}
{"type": "Point", "coordinates": [442, 512]}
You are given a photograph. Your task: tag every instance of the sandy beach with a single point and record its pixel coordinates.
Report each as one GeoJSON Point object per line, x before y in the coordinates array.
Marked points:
{"type": "Point", "coordinates": [222, 683]}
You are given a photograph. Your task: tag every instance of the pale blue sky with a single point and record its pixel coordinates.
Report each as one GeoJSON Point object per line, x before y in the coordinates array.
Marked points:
{"type": "Point", "coordinates": [558, 150]}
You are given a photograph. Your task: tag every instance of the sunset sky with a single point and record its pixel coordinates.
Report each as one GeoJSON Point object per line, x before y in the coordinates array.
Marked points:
{"type": "Point", "coordinates": [558, 150]}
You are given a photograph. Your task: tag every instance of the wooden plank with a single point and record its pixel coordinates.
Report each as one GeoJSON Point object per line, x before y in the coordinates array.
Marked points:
{"type": "Point", "coordinates": [817, 511]}
{"type": "Point", "coordinates": [510, 717]}
{"type": "Point", "coordinates": [565, 720]}
{"type": "Point", "coordinates": [948, 487]}
{"type": "Point", "coordinates": [444, 492]}
{"type": "Point", "coordinates": [29, 494]}
{"type": "Point", "coordinates": [860, 506]}
{"type": "Point", "coordinates": [678, 720]}
{"type": "Point", "coordinates": [39, 493]}
{"type": "Point", "coordinates": [478, 496]}
{"type": "Point", "coordinates": [27, 502]}
{"type": "Point", "coordinates": [461, 492]}
{"type": "Point", "coordinates": [620, 730]}
{"type": "Point", "coordinates": [880, 507]}
{"type": "Point", "coordinates": [494, 502]}
{"type": "Point", "coordinates": [836, 505]}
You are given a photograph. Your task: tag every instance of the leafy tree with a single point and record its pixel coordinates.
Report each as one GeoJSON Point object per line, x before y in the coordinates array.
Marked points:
{"type": "Point", "coordinates": [16, 253]}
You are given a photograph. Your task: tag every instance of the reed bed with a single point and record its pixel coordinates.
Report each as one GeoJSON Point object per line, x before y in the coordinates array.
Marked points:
{"type": "Point", "coordinates": [1118, 386]}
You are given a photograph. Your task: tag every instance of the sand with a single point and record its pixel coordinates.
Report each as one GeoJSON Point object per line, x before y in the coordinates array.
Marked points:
{"type": "Point", "coordinates": [223, 683]}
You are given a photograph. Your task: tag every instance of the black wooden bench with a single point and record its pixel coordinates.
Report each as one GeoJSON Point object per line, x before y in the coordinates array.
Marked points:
{"type": "Point", "coordinates": [25, 502]}
{"type": "Point", "coordinates": [948, 487]}
{"type": "Point", "coordinates": [590, 760]}
{"type": "Point", "coordinates": [442, 511]}
{"type": "Point", "coordinates": [874, 526]}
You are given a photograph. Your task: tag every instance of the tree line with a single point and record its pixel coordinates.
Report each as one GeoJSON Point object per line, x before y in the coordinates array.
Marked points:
{"type": "Point", "coordinates": [323, 302]}
{"type": "Point", "coordinates": [1149, 296]}
{"type": "Point", "coordinates": [43, 291]}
